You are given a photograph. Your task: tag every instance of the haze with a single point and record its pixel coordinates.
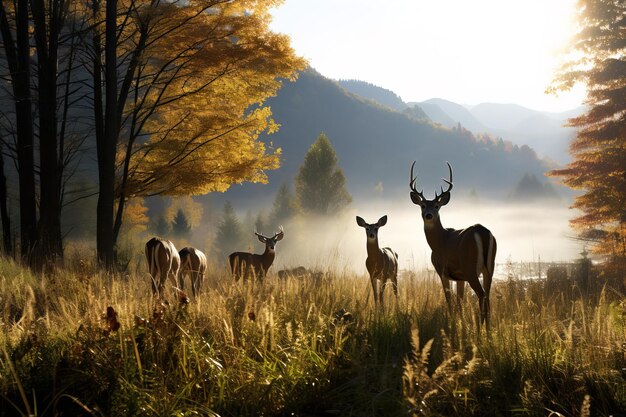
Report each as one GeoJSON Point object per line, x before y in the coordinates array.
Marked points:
{"type": "Point", "coordinates": [523, 232]}
{"type": "Point", "coordinates": [466, 52]}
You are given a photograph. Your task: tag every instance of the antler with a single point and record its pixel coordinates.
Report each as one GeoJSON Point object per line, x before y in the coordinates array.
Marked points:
{"type": "Point", "coordinates": [450, 185]}
{"type": "Point", "coordinates": [412, 184]}
{"type": "Point", "coordinates": [259, 234]}
{"type": "Point", "coordinates": [280, 233]}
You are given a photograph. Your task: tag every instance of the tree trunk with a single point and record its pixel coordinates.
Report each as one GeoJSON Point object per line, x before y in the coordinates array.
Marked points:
{"type": "Point", "coordinates": [46, 37]}
{"type": "Point", "coordinates": [4, 212]}
{"type": "Point", "coordinates": [107, 144]}
{"type": "Point", "coordinates": [24, 120]}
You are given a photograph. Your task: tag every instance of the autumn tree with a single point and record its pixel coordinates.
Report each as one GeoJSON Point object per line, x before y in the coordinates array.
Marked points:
{"type": "Point", "coordinates": [320, 184]}
{"type": "Point", "coordinates": [188, 104]}
{"type": "Point", "coordinates": [599, 149]}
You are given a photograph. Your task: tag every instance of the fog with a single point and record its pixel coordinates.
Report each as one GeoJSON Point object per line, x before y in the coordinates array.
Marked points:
{"type": "Point", "coordinates": [523, 233]}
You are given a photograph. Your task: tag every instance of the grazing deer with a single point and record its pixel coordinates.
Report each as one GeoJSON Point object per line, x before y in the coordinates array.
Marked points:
{"type": "Point", "coordinates": [163, 261]}
{"type": "Point", "coordinates": [458, 255]}
{"type": "Point", "coordinates": [242, 263]}
{"type": "Point", "coordinates": [193, 263]}
{"type": "Point", "coordinates": [382, 264]}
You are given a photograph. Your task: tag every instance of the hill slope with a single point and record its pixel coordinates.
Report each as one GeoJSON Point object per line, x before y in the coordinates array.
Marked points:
{"type": "Point", "coordinates": [372, 92]}
{"type": "Point", "coordinates": [376, 146]}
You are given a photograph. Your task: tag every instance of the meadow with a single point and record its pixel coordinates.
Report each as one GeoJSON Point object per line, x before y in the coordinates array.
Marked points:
{"type": "Point", "coordinates": [80, 342]}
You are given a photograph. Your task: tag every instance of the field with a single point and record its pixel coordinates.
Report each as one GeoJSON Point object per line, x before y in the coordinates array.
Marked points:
{"type": "Point", "coordinates": [302, 348]}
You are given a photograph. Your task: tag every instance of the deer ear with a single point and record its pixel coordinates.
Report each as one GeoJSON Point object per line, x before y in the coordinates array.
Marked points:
{"type": "Point", "coordinates": [416, 198]}
{"type": "Point", "coordinates": [382, 221]}
{"type": "Point", "coordinates": [444, 198]}
{"type": "Point", "coordinates": [261, 238]}
{"type": "Point", "coordinates": [360, 222]}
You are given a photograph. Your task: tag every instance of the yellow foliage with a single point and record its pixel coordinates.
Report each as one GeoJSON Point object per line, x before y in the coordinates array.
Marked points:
{"type": "Point", "coordinates": [193, 210]}
{"type": "Point", "coordinates": [135, 218]}
{"type": "Point", "coordinates": [197, 111]}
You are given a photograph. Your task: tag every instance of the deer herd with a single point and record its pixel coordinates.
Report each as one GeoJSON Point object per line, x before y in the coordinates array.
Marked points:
{"type": "Point", "coordinates": [457, 255]}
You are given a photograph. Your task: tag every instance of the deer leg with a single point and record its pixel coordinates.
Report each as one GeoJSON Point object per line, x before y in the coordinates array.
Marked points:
{"type": "Point", "coordinates": [478, 289]}
{"type": "Point", "coordinates": [374, 281]}
{"type": "Point", "coordinates": [460, 291]}
{"type": "Point", "coordinates": [181, 280]}
{"type": "Point", "coordinates": [445, 282]}
{"type": "Point", "coordinates": [381, 284]}
{"type": "Point", "coordinates": [155, 287]}
{"type": "Point", "coordinates": [487, 286]}
{"type": "Point", "coordinates": [194, 283]}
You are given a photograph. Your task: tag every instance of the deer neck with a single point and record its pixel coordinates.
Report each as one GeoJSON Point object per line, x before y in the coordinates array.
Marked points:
{"type": "Point", "coordinates": [268, 255]}
{"type": "Point", "coordinates": [372, 248]}
{"type": "Point", "coordinates": [435, 234]}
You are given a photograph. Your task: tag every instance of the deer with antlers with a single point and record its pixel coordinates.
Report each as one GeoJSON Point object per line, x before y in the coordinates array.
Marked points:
{"type": "Point", "coordinates": [163, 262]}
{"type": "Point", "coordinates": [244, 263]}
{"type": "Point", "coordinates": [457, 255]}
{"type": "Point", "coordinates": [193, 263]}
{"type": "Point", "coordinates": [382, 264]}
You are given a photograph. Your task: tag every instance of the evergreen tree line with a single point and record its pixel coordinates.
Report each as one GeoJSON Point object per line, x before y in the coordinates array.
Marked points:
{"type": "Point", "coordinates": [320, 190]}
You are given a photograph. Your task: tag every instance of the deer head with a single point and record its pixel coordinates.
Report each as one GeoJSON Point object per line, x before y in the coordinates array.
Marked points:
{"type": "Point", "coordinates": [270, 242]}
{"type": "Point", "coordinates": [430, 208]}
{"type": "Point", "coordinates": [371, 229]}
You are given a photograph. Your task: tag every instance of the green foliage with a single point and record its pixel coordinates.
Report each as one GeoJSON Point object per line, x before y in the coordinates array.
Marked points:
{"type": "Point", "coordinates": [320, 184]}
{"type": "Point", "coordinates": [230, 236]}
{"type": "Point", "coordinates": [530, 189]}
{"type": "Point", "coordinates": [284, 207]}
{"type": "Point", "coordinates": [162, 227]}
{"type": "Point", "coordinates": [180, 224]}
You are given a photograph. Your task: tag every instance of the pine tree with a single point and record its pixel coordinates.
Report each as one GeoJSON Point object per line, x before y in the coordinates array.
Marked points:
{"type": "Point", "coordinates": [284, 208]}
{"type": "Point", "coordinates": [162, 226]}
{"type": "Point", "coordinates": [320, 184]}
{"type": "Point", "coordinates": [230, 236]}
{"type": "Point", "coordinates": [599, 149]}
{"type": "Point", "coordinates": [180, 224]}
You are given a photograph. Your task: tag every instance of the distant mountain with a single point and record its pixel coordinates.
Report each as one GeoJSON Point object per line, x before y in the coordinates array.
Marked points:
{"type": "Point", "coordinates": [376, 146]}
{"type": "Point", "coordinates": [501, 116]}
{"type": "Point", "coordinates": [416, 113]}
{"type": "Point", "coordinates": [543, 131]}
{"type": "Point", "coordinates": [436, 114]}
{"type": "Point", "coordinates": [456, 112]}
{"type": "Point", "coordinates": [372, 92]}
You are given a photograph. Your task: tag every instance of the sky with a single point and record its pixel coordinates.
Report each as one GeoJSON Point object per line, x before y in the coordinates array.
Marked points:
{"type": "Point", "coordinates": [469, 52]}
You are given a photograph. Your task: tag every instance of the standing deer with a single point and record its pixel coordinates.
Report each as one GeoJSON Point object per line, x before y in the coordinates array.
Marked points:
{"type": "Point", "coordinates": [193, 263]}
{"type": "Point", "coordinates": [382, 264]}
{"type": "Point", "coordinates": [242, 263]}
{"type": "Point", "coordinates": [163, 261]}
{"type": "Point", "coordinates": [458, 255]}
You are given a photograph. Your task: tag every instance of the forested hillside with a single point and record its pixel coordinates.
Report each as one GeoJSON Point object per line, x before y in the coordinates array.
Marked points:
{"type": "Point", "coordinates": [376, 146]}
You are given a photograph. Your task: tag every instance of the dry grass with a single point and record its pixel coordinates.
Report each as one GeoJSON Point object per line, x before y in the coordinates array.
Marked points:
{"type": "Point", "coordinates": [301, 348]}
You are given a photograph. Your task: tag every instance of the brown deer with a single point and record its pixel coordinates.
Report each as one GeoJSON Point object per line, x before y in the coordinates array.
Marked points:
{"type": "Point", "coordinates": [193, 263]}
{"type": "Point", "coordinates": [244, 263]}
{"type": "Point", "coordinates": [457, 255]}
{"type": "Point", "coordinates": [163, 261]}
{"type": "Point", "coordinates": [382, 264]}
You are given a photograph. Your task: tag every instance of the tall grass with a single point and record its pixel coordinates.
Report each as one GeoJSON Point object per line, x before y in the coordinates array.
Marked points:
{"type": "Point", "coordinates": [301, 347]}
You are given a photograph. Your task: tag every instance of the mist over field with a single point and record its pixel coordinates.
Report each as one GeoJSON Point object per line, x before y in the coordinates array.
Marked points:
{"type": "Point", "coordinates": [524, 232]}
